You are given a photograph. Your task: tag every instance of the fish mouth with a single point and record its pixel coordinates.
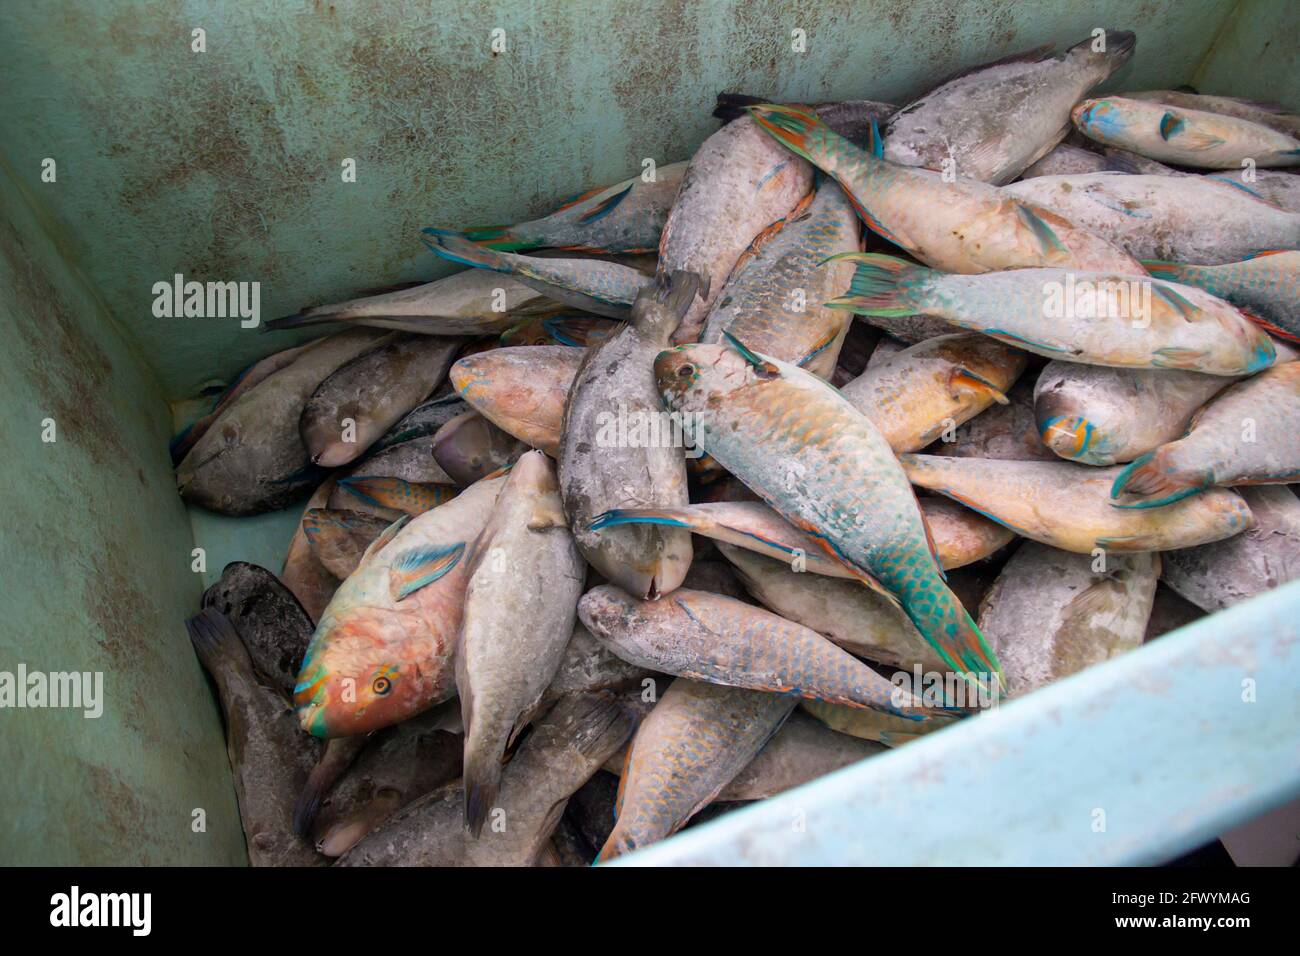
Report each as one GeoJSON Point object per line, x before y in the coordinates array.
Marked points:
{"type": "Point", "coordinates": [1070, 436]}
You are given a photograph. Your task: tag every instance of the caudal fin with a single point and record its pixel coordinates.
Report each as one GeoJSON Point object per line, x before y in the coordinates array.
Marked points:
{"type": "Point", "coordinates": [961, 645]}
{"type": "Point", "coordinates": [1150, 477]}
{"type": "Point", "coordinates": [791, 126]}
{"type": "Point", "coordinates": [882, 285]}
{"type": "Point", "coordinates": [218, 645]}
{"type": "Point", "coordinates": [732, 106]}
{"type": "Point", "coordinates": [482, 780]}
{"type": "Point", "coordinates": [454, 247]}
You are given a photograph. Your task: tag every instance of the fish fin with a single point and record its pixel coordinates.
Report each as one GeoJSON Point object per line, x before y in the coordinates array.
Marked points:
{"type": "Point", "coordinates": [968, 502]}
{"type": "Point", "coordinates": [421, 567]}
{"type": "Point", "coordinates": [547, 513]}
{"type": "Point", "coordinates": [1011, 338]}
{"type": "Point", "coordinates": [1269, 327]}
{"type": "Point", "coordinates": [301, 319]}
{"type": "Point", "coordinates": [385, 538]}
{"type": "Point", "coordinates": [962, 377]}
{"type": "Point", "coordinates": [617, 516]}
{"type": "Point", "coordinates": [761, 366]}
{"type": "Point", "coordinates": [1266, 252]}
{"type": "Point", "coordinates": [323, 776]}
{"type": "Point", "coordinates": [769, 232]}
{"type": "Point", "coordinates": [482, 782]}
{"type": "Point", "coordinates": [1035, 55]}
{"type": "Point", "coordinates": [929, 537]}
{"type": "Point", "coordinates": [1169, 271]}
{"type": "Point", "coordinates": [861, 574]}
{"type": "Point", "coordinates": [1036, 221]}
{"type": "Point", "coordinates": [1131, 543]}
{"type": "Point", "coordinates": [1170, 125]}
{"type": "Point", "coordinates": [874, 224]}
{"type": "Point", "coordinates": [1229, 181]}
{"type": "Point", "coordinates": [621, 792]}
{"type": "Point", "coordinates": [875, 142]}
{"type": "Point", "coordinates": [1177, 357]}
{"type": "Point", "coordinates": [1121, 161]}
{"type": "Point", "coordinates": [216, 642]}
{"type": "Point", "coordinates": [791, 126]}
{"type": "Point", "coordinates": [605, 206]}
{"type": "Point", "coordinates": [1148, 476]}
{"type": "Point", "coordinates": [1097, 598]}
{"type": "Point", "coordinates": [732, 106]}
{"type": "Point", "coordinates": [819, 347]}
{"type": "Point", "coordinates": [500, 238]}
{"type": "Point", "coordinates": [454, 248]}
{"type": "Point", "coordinates": [882, 285]}
{"type": "Point", "coordinates": [1177, 301]}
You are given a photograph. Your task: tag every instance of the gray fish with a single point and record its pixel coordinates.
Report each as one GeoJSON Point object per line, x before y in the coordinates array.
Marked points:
{"type": "Point", "coordinates": [311, 582]}
{"type": "Point", "coordinates": [587, 666]}
{"type": "Point", "coordinates": [1066, 160]}
{"type": "Point", "coordinates": [1169, 612]}
{"type": "Point", "coordinates": [1050, 614]}
{"type": "Point", "coordinates": [520, 605]}
{"type": "Point", "coordinates": [469, 447]}
{"type": "Point", "coordinates": [599, 472]}
{"type": "Point", "coordinates": [252, 459]}
{"type": "Point", "coordinates": [852, 119]}
{"type": "Point", "coordinates": [362, 399]}
{"type": "Point", "coordinates": [423, 421]}
{"type": "Point", "coordinates": [336, 757]}
{"type": "Point", "coordinates": [1003, 431]}
{"type": "Point", "coordinates": [1219, 575]}
{"type": "Point", "coordinates": [1271, 115]}
{"type": "Point", "coordinates": [269, 755]}
{"type": "Point", "coordinates": [267, 617]}
{"type": "Point", "coordinates": [563, 751]}
{"type": "Point", "coordinates": [410, 461]}
{"type": "Point", "coordinates": [339, 538]}
{"type": "Point", "coordinates": [992, 121]}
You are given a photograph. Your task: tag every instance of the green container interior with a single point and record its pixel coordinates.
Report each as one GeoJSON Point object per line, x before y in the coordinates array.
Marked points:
{"type": "Point", "coordinates": [225, 165]}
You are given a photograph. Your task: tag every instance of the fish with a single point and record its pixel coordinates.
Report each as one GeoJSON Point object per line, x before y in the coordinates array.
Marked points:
{"type": "Point", "coordinates": [773, 299]}
{"type": "Point", "coordinates": [423, 421]}
{"type": "Point", "coordinates": [991, 122]}
{"type": "Point", "coordinates": [1266, 287]}
{"type": "Point", "coordinates": [576, 331]}
{"type": "Point", "coordinates": [1093, 318]}
{"type": "Point", "coordinates": [1219, 575]}
{"type": "Point", "coordinates": [363, 398]}
{"type": "Point", "coordinates": [339, 538]}
{"type": "Point", "coordinates": [384, 649]}
{"type": "Point", "coordinates": [470, 447]}
{"type": "Point", "coordinates": [908, 329]}
{"type": "Point", "coordinates": [1102, 416]}
{"type": "Point", "coordinates": [471, 302]}
{"type": "Point", "coordinates": [738, 184]}
{"type": "Point", "coordinates": [311, 582]}
{"type": "Point", "coordinates": [1197, 219]}
{"type": "Point", "coordinates": [252, 459]}
{"type": "Point", "coordinates": [1052, 613]}
{"type": "Point", "coordinates": [844, 612]}
{"type": "Point", "coordinates": [825, 467]}
{"type": "Point", "coordinates": [593, 285]}
{"type": "Point", "coordinates": [336, 757]}
{"type": "Point", "coordinates": [934, 386]}
{"type": "Point", "coordinates": [959, 538]}
{"type": "Point", "coordinates": [1185, 137]}
{"type": "Point", "coordinates": [885, 350]}
{"type": "Point", "coordinates": [695, 741]}
{"type": "Point", "coordinates": [626, 217]}
{"type": "Point", "coordinates": [1245, 436]}
{"type": "Point", "coordinates": [601, 469]}
{"type": "Point", "coordinates": [272, 625]}
{"type": "Point", "coordinates": [398, 765]}
{"type": "Point", "coordinates": [861, 342]}
{"type": "Point", "coordinates": [1068, 506]}
{"type": "Point", "coordinates": [1065, 159]}
{"type": "Point", "coordinates": [852, 119]}
{"type": "Point", "coordinates": [520, 604]}
{"type": "Point", "coordinates": [1266, 114]}
{"type": "Point", "coordinates": [269, 757]}
{"type": "Point", "coordinates": [564, 750]}
{"type": "Point", "coordinates": [1010, 431]}
{"type": "Point", "coordinates": [587, 666]}
{"type": "Point", "coordinates": [872, 725]}
{"type": "Point", "coordinates": [1169, 611]}
{"type": "Point", "coordinates": [522, 390]}
{"type": "Point", "coordinates": [394, 494]}
{"type": "Point", "coordinates": [963, 226]}
{"type": "Point", "coordinates": [1270, 186]}
{"type": "Point", "coordinates": [410, 461]}
{"type": "Point", "coordinates": [708, 637]}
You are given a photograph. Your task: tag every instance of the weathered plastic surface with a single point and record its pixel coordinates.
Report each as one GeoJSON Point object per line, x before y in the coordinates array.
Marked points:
{"type": "Point", "coordinates": [225, 165]}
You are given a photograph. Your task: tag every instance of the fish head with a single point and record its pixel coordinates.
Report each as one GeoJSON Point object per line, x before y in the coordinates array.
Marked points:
{"type": "Point", "coordinates": [1103, 118]}
{"type": "Point", "coordinates": [693, 377]}
{"type": "Point", "coordinates": [366, 668]}
{"type": "Point", "coordinates": [534, 474]}
{"type": "Point", "coordinates": [1228, 509]}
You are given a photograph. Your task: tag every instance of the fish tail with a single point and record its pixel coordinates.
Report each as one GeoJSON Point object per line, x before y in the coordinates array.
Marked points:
{"type": "Point", "coordinates": [882, 285]}
{"type": "Point", "coordinates": [302, 320]}
{"type": "Point", "coordinates": [312, 795]}
{"type": "Point", "coordinates": [482, 777]}
{"type": "Point", "coordinates": [732, 106]}
{"type": "Point", "coordinates": [619, 516]}
{"type": "Point", "coordinates": [454, 247]}
{"type": "Point", "coordinates": [791, 126]}
{"type": "Point", "coordinates": [217, 643]}
{"type": "Point", "coordinates": [1117, 49]}
{"type": "Point", "coordinates": [1160, 269]}
{"type": "Point", "coordinates": [500, 238]}
{"type": "Point", "coordinates": [951, 631]}
{"type": "Point", "coordinates": [1149, 476]}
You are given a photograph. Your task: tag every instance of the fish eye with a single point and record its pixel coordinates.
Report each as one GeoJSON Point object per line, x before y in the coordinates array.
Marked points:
{"type": "Point", "coordinates": [685, 371]}
{"type": "Point", "coordinates": [381, 685]}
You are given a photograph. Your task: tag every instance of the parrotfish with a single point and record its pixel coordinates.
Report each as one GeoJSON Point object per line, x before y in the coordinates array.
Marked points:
{"type": "Point", "coordinates": [472, 302]}
{"type": "Point", "coordinates": [578, 331]}
{"type": "Point", "coordinates": [1068, 506]}
{"type": "Point", "coordinates": [469, 447]}
{"type": "Point", "coordinates": [1008, 431]}
{"type": "Point", "coordinates": [1219, 575]}
{"type": "Point", "coordinates": [410, 461]}
{"type": "Point", "coordinates": [1277, 188]}
{"type": "Point", "coordinates": [992, 121]}
{"type": "Point", "coordinates": [562, 753]}
{"type": "Point", "coordinates": [521, 390]}
{"type": "Point", "coordinates": [311, 582]}
{"type": "Point", "coordinates": [812, 456]}
{"type": "Point", "coordinates": [774, 299]}
{"type": "Point", "coordinates": [273, 626]}
{"type": "Point", "coordinates": [1246, 436]}
{"type": "Point", "coordinates": [339, 538]}
{"type": "Point", "coordinates": [423, 421]}
{"type": "Point", "coordinates": [1101, 416]}
{"type": "Point", "coordinates": [697, 739]}
{"type": "Point", "coordinates": [362, 399]}
{"type": "Point", "coordinates": [626, 217]}
{"type": "Point", "coordinates": [587, 665]}
{"type": "Point", "coordinates": [855, 120]}
{"type": "Point", "coordinates": [1184, 137]}
{"type": "Point", "coordinates": [1198, 219]}
{"type": "Point", "coordinates": [961, 226]}
{"type": "Point", "coordinates": [1095, 318]}
{"type": "Point", "coordinates": [270, 758]}
{"type": "Point", "coordinates": [252, 459]}
{"type": "Point", "coordinates": [934, 386]}
{"type": "Point", "coordinates": [384, 648]}
{"type": "Point", "coordinates": [620, 448]}
{"type": "Point", "coordinates": [872, 724]}
{"type": "Point", "coordinates": [1052, 613]}
{"type": "Point", "coordinates": [885, 350]}
{"type": "Point", "coordinates": [1065, 160]}
{"type": "Point", "coordinates": [593, 285]}
{"type": "Point", "coordinates": [1267, 114]}
{"type": "Point", "coordinates": [708, 637]}
{"type": "Point", "coordinates": [520, 604]}
{"type": "Point", "coordinates": [737, 184]}
{"type": "Point", "coordinates": [395, 494]}
{"type": "Point", "coordinates": [1266, 286]}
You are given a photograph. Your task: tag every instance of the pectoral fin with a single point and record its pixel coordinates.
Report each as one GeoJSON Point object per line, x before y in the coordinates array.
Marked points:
{"type": "Point", "coordinates": [421, 567]}
{"type": "Point", "coordinates": [962, 377]}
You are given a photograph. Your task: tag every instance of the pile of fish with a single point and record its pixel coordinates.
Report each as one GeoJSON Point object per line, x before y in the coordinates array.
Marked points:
{"type": "Point", "coordinates": [666, 502]}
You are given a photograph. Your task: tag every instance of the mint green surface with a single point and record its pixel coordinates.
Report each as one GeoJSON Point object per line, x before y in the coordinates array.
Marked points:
{"type": "Point", "coordinates": [225, 165]}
